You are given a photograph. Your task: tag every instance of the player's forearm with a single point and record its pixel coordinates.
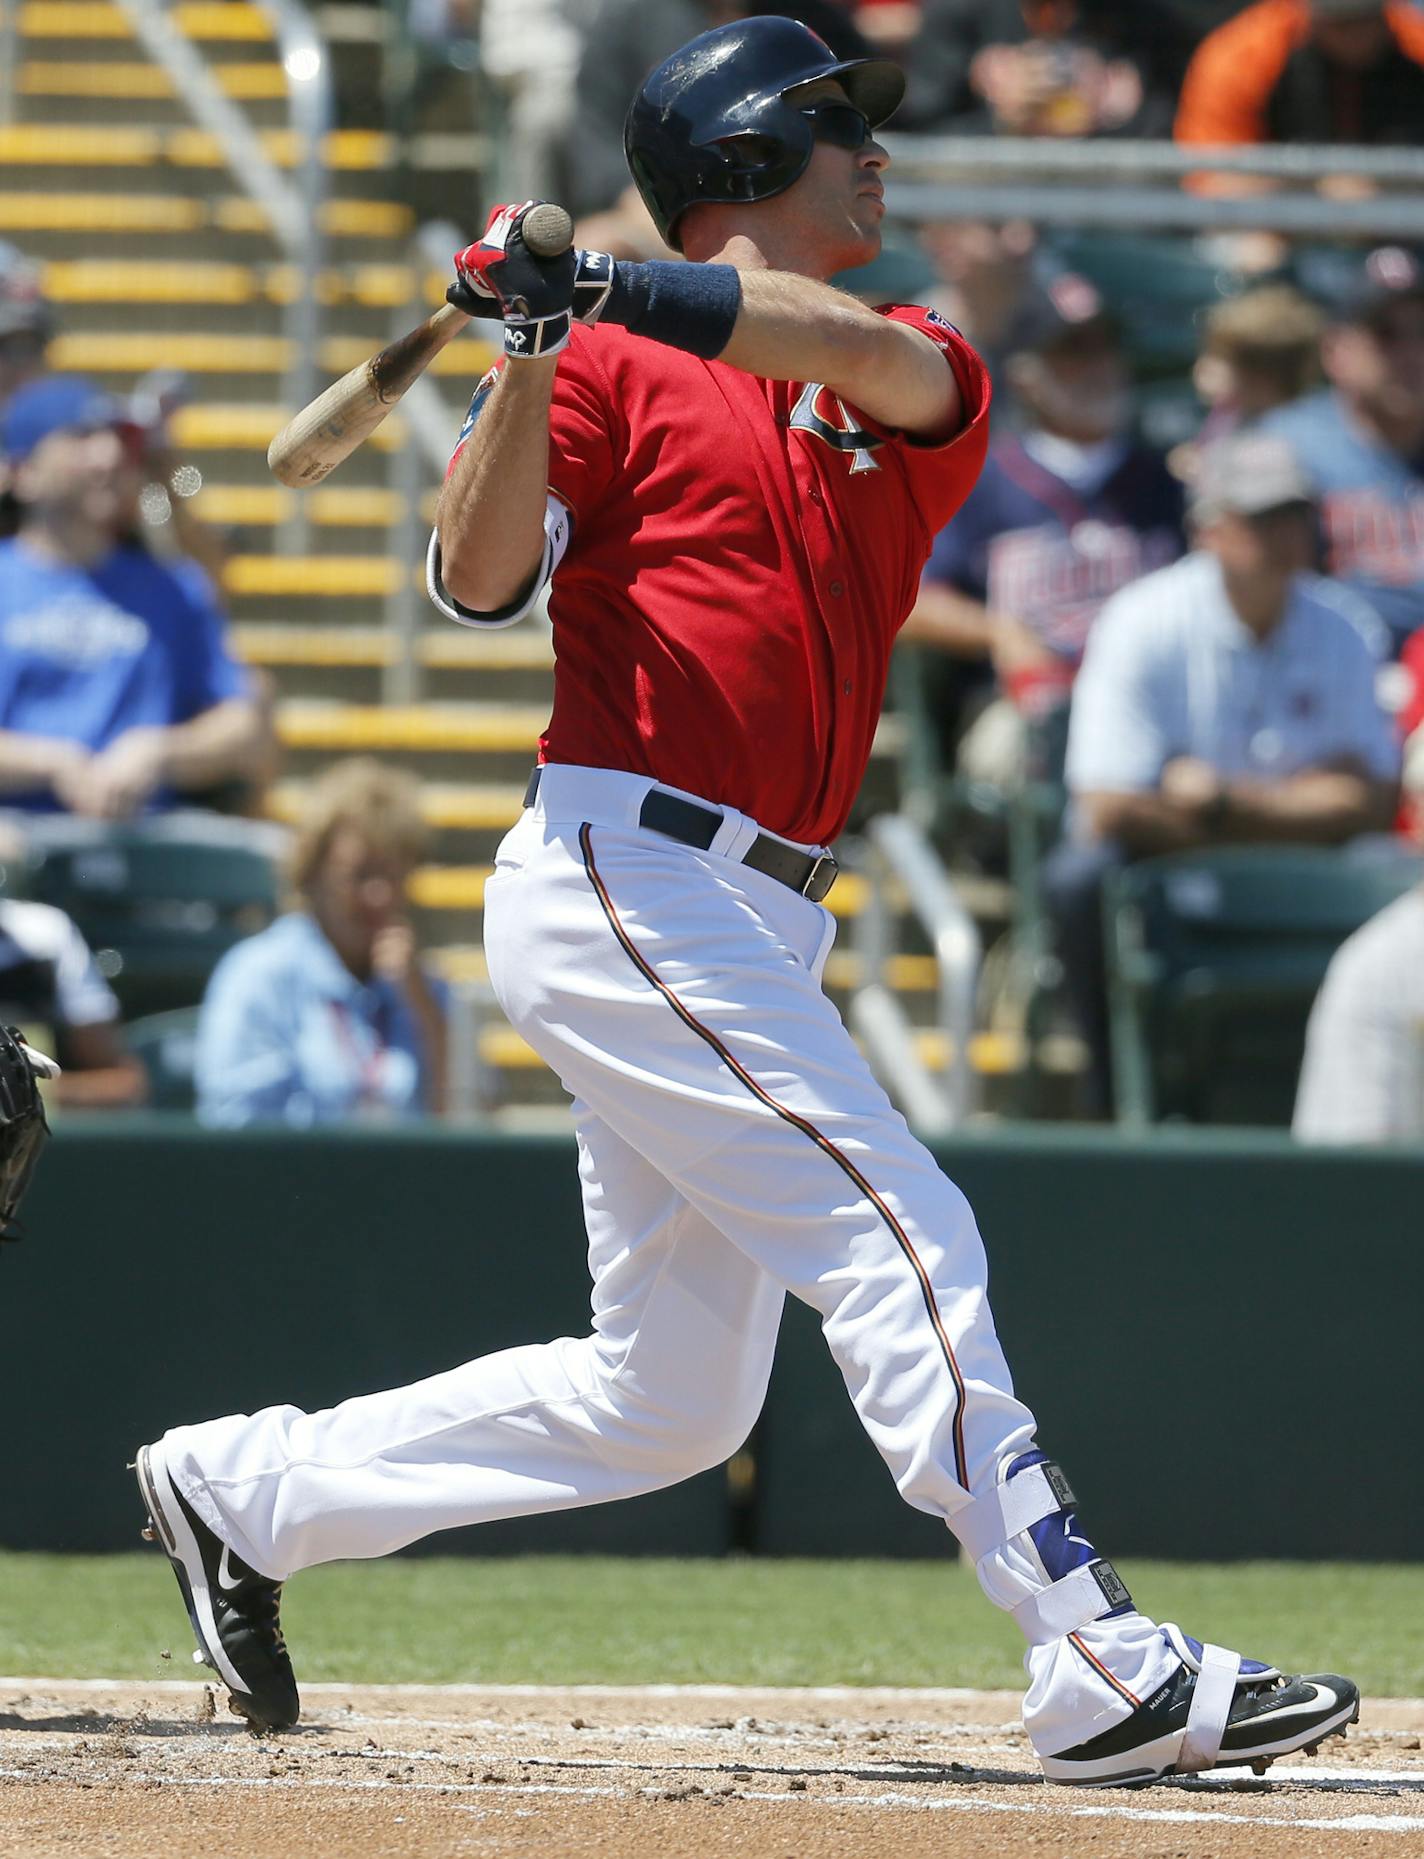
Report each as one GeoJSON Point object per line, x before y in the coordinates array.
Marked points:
{"type": "Point", "coordinates": [490, 518]}
{"type": "Point", "coordinates": [791, 328]}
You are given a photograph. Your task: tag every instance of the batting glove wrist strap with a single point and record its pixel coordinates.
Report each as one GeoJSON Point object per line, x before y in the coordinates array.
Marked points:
{"type": "Point", "coordinates": [535, 338]}
{"type": "Point", "coordinates": [499, 276]}
{"type": "Point", "coordinates": [593, 280]}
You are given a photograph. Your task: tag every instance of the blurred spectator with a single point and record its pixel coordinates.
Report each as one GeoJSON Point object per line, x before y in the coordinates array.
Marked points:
{"type": "Point", "coordinates": [1411, 729]}
{"type": "Point", "coordinates": [161, 512]}
{"type": "Point", "coordinates": [531, 48]}
{"type": "Point", "coordinates": [117, 693]}
{"type": "Point", "coordinates": [1362, 1080]}
{"type": "Point", "coordinates": [26, 321]}
{"type": "Point", "coordinates": [1043, 68]}
{"type": "Point", "coordinates": [1261, 351]}
{"type": "Point", "coordinates": [1067, 512]}
{"type": "Point", "coordinates": [51, 986]}
{"type": "Point", "coordinates": [328, 1013]}
{"type": "Point", "coordinates": [1227, 699]}
{"type": "Point", "coordinates": [1307, 71]}
{"type": "Point", "coordinates": [986, 275]}
{"type": "Point", "coordinates": [163, 485]}
{"type": "Point", "coordinates": [1362, 438]}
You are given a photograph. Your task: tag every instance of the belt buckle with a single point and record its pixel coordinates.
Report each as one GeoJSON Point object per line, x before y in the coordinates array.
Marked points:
{"type": "Point", "coordinates": [821, 877]}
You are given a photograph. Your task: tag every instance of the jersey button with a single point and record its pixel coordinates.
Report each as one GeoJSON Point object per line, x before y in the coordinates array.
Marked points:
{"type": "Point", "coordinates": [846, 687]}
{"type": "Point", "coordinates": [837, 589]}
{"type": "Point", "coordinates": [816, 496]}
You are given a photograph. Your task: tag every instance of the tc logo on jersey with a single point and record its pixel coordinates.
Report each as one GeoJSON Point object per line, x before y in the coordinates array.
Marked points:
{"type": "Point", "coordinates": [820, 412]}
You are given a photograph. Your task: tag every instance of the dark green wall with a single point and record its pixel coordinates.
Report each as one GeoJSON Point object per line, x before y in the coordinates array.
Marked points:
{"type": "Point", "coordinates": [1220, 1335]}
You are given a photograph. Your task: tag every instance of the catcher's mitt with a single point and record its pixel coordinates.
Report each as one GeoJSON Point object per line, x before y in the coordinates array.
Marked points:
{"type": "Point", "coordinates": [23, 1130]}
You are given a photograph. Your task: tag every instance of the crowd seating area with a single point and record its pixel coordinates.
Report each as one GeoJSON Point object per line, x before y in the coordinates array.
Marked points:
{"type": "Point", "coordinates": [155, 264]}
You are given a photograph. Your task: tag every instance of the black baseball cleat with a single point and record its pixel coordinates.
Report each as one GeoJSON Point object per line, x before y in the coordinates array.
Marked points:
{"type": "Point", "coordinates": [234, 1610]}
{"type": "Point", "coordinates": [1217, 1711]}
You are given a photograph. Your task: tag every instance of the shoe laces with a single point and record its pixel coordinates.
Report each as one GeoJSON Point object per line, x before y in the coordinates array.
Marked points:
{"type": "Point", "coordinates": [272, 1624]}
{"type": "Point", "coordinates": [261, 1610]}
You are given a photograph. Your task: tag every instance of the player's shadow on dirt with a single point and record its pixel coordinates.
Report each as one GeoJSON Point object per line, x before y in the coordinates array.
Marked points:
{"type": "Point", "coordinates": [960, 1774]}
{"type": "Point", "coordinates": [99, 1723]}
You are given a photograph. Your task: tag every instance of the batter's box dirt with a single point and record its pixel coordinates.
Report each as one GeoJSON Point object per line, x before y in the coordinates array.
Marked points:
{"type": "Point", "coordinates": [153, 1771]}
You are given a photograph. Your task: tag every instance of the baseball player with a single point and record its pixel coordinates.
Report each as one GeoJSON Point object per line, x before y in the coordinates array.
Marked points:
{"type": "Point", "coordinates": [733, 474]}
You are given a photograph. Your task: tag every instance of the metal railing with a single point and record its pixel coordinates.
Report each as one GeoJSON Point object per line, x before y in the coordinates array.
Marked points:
{"type": "Point", "coordinates": [898, 849]}
{"type": "Point", "coordinates": [1128, 185]}
{"type": "Point", "coordinates": [311, 111]}
{"type": "Point", "coordinates": [412, 468]}
{"type": "Point", "coordinates": [293, 208]}
{"type": "Point", "coordinates": [9, 58]}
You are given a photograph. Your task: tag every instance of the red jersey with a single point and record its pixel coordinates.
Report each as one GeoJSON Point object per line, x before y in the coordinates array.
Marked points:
{"type": "Point", "coordinates": [742, 554]}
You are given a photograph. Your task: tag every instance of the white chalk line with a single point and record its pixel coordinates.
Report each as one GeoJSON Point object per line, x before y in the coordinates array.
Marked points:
{"type": "Point", "coordinates": [1346, 1823]}
{"type": "Point", "coordinates": [831, 1694]}
{"type": "Point", "coordinates": [792, 1694]}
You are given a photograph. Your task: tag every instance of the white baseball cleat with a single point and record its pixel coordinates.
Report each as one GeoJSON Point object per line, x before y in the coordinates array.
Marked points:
{"type": "Point", "coordinates": [1217, 1711]}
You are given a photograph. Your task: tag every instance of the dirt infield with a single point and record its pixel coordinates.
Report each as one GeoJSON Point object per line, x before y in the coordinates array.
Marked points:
{"type": "Point", "coordinates": [160, 1770]}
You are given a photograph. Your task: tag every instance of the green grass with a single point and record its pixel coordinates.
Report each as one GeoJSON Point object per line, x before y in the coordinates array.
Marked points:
{"type": "Point", "coordinates": [570, 1620]}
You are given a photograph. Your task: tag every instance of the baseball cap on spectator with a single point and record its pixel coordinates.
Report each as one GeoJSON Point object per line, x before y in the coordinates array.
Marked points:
{"type": "Point", "coordinates": [1065, 312]}
{"type": "Point", "coordinates": [56, 403]}
{"type": "Point", "coordinates": [1249, 474]}
{"type": "Point", "coordinates": [1388, 276]}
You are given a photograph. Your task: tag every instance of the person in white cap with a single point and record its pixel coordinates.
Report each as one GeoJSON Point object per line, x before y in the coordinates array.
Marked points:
{"type": "Point", "coordinates": [1228, 698]}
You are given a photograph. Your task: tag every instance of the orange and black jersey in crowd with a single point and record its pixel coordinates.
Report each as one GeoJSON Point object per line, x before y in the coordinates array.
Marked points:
{"type": "Point", "coordinates": [1260, 78]}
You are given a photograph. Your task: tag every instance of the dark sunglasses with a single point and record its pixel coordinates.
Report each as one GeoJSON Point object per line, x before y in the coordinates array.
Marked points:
{"type": "Point", "coordinates": [840, 124]}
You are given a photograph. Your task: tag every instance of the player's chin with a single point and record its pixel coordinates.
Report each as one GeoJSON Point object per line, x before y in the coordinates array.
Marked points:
{"type": "Point", "coordinates": [866, 237]}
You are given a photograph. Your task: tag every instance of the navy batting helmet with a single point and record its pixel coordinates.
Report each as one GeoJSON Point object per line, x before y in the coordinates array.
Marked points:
{"type": "Point", "coordinates": [714, 122]}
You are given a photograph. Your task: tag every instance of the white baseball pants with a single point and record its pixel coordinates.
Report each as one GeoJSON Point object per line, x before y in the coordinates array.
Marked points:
{"type": "Point", "coordinates": [733, 1146]}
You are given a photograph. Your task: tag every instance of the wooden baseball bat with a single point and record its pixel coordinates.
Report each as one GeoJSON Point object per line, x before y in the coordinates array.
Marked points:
{"type": "Point", "coordinates": [314, 441]}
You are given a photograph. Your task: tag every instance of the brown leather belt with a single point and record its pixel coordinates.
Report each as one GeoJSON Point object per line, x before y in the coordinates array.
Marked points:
{"type": "Point", "coordinates": [695, 825]}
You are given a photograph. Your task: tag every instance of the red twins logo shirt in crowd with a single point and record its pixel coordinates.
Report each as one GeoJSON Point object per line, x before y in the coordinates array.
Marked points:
{"type": "Point", "coordinates": [743, 553]}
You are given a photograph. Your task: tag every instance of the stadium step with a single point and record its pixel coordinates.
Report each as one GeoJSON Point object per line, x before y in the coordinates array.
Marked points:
{"type": "Point", "coordinates": [216, 426]}
{"type": "Point", "coordinates": [337, 660]}
{"type": "Point", "coordinates": [140, 83]}
{"type": "Point", "coordinates": [93, 19]}
{"type": "Point", "coordinates": [235, 355]}
{"type": "Point", "coordinates": [47, 222]}
{"type": "Point", "coordinates": [454, 742]}
{"type": "Point", "coordinates": [79, 283]}
{"type": "Point", "coordinates": [449, 648]}
{"type": "Point", "coordinates": [329, 506]}
{"type": "Point", "coordinates": [344, 151]}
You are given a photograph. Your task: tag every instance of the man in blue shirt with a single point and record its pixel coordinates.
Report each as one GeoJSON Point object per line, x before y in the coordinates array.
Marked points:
{"type": "Point", "coordinates": [1228, 699]}
{"type": "Point", "coordinates": [117, 692]}
{"type": "Point", "coordinates": [1069, 510]}
{"type": "Point", "coordinates": [1362, 438]}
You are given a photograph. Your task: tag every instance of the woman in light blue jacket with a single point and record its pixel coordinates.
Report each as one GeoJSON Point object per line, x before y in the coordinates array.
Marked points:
{"type": "Point", "coordinates": [328, 1015]}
